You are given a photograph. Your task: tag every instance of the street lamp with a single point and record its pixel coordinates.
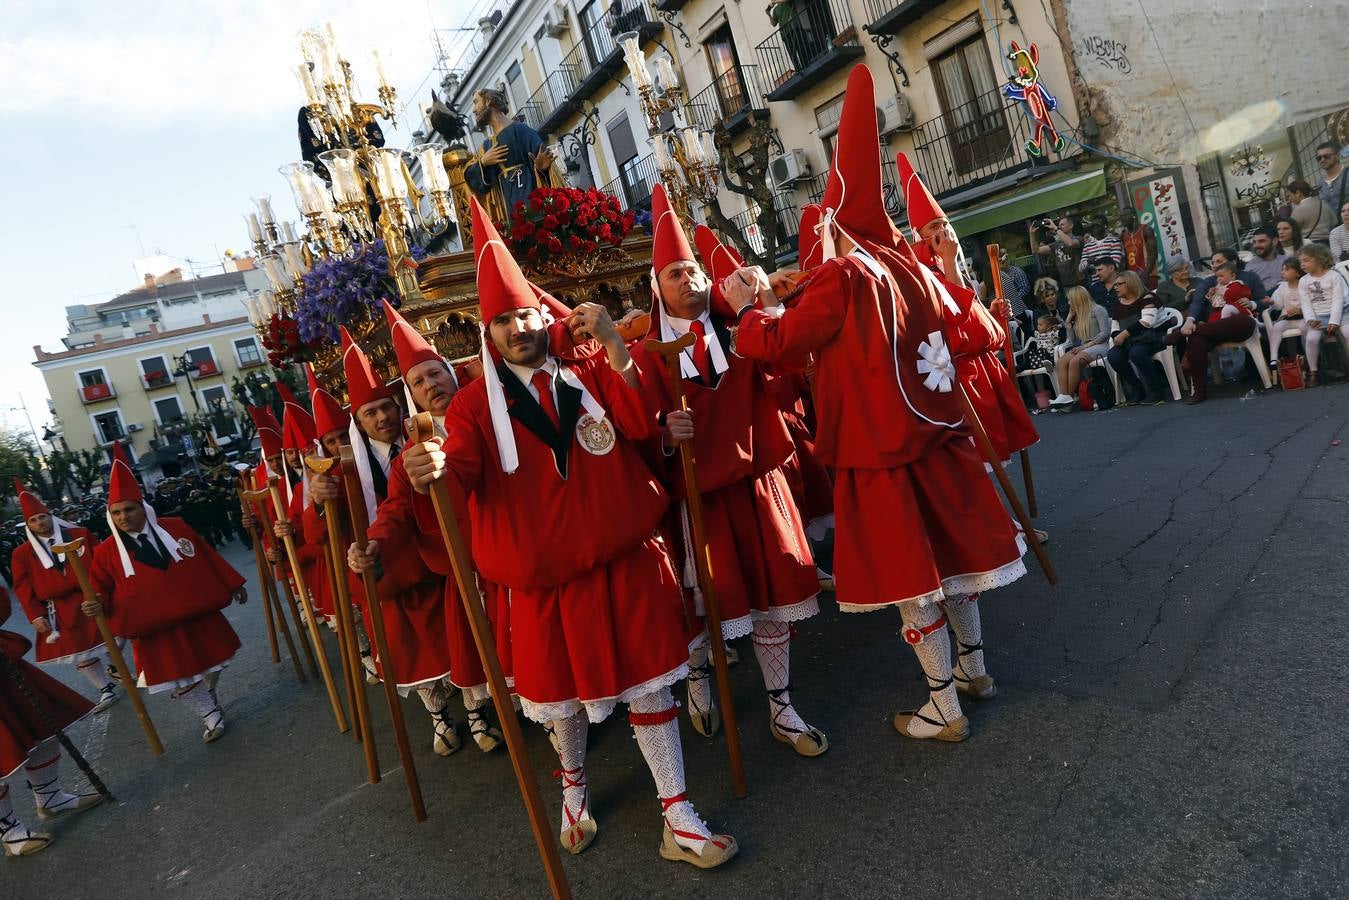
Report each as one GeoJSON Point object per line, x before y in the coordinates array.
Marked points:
{"type": "Point", "coordinates": [185, 366]}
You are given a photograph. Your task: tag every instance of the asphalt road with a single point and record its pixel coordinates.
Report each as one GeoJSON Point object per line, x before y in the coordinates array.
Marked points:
{"type": "Point", "coordinates": [1169, 723]}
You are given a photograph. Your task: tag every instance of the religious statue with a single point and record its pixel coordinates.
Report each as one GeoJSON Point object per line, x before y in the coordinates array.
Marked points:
{"type": "Point", "coordinates": [513, 160]}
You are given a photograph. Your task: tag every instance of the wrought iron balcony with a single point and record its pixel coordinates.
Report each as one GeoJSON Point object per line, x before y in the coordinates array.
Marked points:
{"type": "Point", "coordinates": [635, 182]}
{"type": "Point", "coordinates": [156, 379]}
{"type": "Point", "coordinates": [894, 198]}
{"type": "Point", "coordinates": [815, 38]}
{"type": "Point", "coordinates": [788, 221]}
{"type": "Point", "coordinates": [671, 6]}
{"type": "Point", "coordinates": [732, 100]}
{"type": "Point", "coordinates": [976, 141]}
{"type": "Point", "coordinates": [551, 104]}
{"type": "Point", "coordinates": [890, 16]}
{"type": "Point", "coordinates": [597, 57]}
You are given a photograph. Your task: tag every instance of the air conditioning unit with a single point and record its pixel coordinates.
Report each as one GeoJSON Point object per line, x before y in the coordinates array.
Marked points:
{"type": "Point", "coordinates": [789, 168]}
{"type": "Point", "coordinates": [134, 427]}
{"type": "Point", "coordinates": [555, 22]}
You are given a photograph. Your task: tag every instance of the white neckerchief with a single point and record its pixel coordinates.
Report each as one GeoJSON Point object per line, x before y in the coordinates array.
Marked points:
{"type": "Point", "coordinates": [39, 545]}
{"type": "Point", "coordinates": [679, 327]}
{"type": "Point", "coordinates": [360, 453]}
{"type": "Point", "coordinates": [526, 376]}
{"type": "Point", "coordinates": [280, 476]}
{"type": "Point", "coordinates": [151, 524]}
{"type": "Point", "coordinates": [381, 450]}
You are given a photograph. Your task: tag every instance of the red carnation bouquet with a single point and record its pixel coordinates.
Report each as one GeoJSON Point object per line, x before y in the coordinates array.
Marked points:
{"type": "Point", "coordinates": [284, 344]}
{"type": "Point", "coordinates": [557, 221]}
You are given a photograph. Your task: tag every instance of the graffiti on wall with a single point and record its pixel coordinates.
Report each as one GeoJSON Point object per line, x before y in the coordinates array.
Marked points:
{"type": "Point", "coordinates": [1108, 52]}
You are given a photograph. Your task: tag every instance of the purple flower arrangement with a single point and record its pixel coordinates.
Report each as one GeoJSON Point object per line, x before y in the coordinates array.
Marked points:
{"type": "Point", "coordinates": [341, 290]}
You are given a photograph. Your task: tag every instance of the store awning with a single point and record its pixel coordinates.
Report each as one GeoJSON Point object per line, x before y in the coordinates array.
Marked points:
{"type": "Point", "coordinates": [1034, 198]}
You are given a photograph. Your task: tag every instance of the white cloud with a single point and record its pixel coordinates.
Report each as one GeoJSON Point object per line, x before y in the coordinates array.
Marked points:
{"type": "Point", "coordinates": [138, 64]}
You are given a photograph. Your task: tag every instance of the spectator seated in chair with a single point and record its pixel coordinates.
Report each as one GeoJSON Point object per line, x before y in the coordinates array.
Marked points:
{"type": "Point", "coordinates": [1323, 290]}
{"type": "Point", "coordinates": [1202, 333]}
{"type": "Point", "coordinates": [1038, 353]}
{"type": "Point", "coordinates": [1227, 293]}
{"type": "Point", "coordinates": [1088, 340]}
{"type": "Point", "coordinates": [1287, 305]}
{"type": "Point", "coordinates": [1137, 341]}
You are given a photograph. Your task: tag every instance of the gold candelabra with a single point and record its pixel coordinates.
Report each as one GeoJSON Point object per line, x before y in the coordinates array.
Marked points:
{"type": "Point", "coordinates": [686, 159]}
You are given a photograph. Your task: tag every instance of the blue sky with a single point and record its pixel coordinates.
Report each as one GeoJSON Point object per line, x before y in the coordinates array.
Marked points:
{"type": "Point", "coordinates": [165, 116]}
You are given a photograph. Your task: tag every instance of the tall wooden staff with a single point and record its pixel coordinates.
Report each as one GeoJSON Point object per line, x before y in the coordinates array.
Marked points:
{"type": "Point", "coordinates": [1026, 475]}
{"type": "Point", "coordinates": [279, 572]}
{"type": "Point", "coordinates": [671, 351]}
{"type": "Point", "coordinates": [324, 669]}
{"type": "Point", "coordinates": [71, 550]}
{"type": "Point", "coordinates": [359, 515]}
{"type": "Point", "coordinates": [991, 456]}
{"type": "Point", "coordinates": [269, 592]}
{"type": "Point", "coordinates": [342, 599]}
{"type": "Point", "coordinates": [420, 429]}
{"type": "Point", "coordinates": [262, 569]}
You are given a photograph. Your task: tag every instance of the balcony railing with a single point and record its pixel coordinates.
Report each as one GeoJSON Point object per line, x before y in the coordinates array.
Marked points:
{"type": "Point", "coordinates": [788, 219]}
{"type": "Point", "coordinates": [894, 199]}
{"type": "Point", "coordinates": [551, 104]}
{"type": "Point", "coordinates": [157, 379]}
{"type": "Point", "coordinates": [93, 393]}
{"type": "Point", "coordinates": [975, 141]}
{"type": "Point", "coordinates": [635, 183]}
{"type": "Point", "coordinates": [597, 57]}
{"type": "Point", "coordinates": [815, 38]}
{"type": "Point", "coordinates": [731, 100]}
{"type": "Point", "coordinates": [889, 16]}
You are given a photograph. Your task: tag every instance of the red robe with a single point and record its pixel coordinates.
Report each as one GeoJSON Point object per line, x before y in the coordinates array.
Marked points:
{"type": "Point", "coordinates": [760, 557]}
{"type": "Point", "coordinates": [977, 342]}
{"type": "Point", "coordinates": [810, 481]}
{"type": "Point", "coordinates": [36, 587]}
{"type": "Point", "coordinates": [21, 726]}
{"type": "Point", "coordinates": [915, 514]}
{"type": "Point", "coordinates": [596, 613]}
{"type": "Point", "coordinates": [173, 616]}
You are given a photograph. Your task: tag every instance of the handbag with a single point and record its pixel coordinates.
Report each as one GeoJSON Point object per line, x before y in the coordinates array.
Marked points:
{"type": "Point", "coordinates": [1290, 374]}
{"type": "Point", "coordinates": [1102, 391]}
{"type": "Point", "coordinates": [1084, 401]}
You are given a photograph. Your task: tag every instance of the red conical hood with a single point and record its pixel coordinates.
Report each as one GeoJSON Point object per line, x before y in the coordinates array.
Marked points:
{"type": "Point", "coordinates": [122, 484]}
{"type": "Point", "coordinates": [501, 284]}
{"type": "Point", "coordinates": [719, 259]}
{"type": "Point", "coordinates": [269, 429]}
{"type": "Point", "coordinates": [808, 251]}
{"type": "Point", "coordinates": [922, 206]}
{"type": "Point", "coordinates": [854, 190]}
{"type": "Point", "coordinates": [287, 395]}
{"type": "Point", "coordinates": [668, 241]}
{"type": "Point", "coordinates": [363, 384]}
{"type": "Point", "coordinates": [30, 503]}
{"type": "Point", "coordinates": [408, 345]}
{"type": "Point", "coordinates": [299, 430]}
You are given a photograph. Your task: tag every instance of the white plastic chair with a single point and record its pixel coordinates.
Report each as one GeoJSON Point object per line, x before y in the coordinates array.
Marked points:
{"type": "Point", "coordinates": [1253, 349]}
{"type": "Point", "coordinates": [1104, 363]}
{"type": "Point", "coordinates": [1050, 372]}
{"type": "Point", "coordinates": [1175, 375]}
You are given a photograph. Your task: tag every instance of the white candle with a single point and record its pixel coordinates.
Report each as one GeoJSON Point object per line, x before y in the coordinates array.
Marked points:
{"type": "Point", "coordinates": [379, 68]}
{"type": "Point", "coordinates": [666, 73]}
{"type": "Point", "coordinates": [264, 204]}
{"type": "Point", "coordinates": [632, 54]}
{"type": "Point", "coordinates": [254, 229]}
{"type": "Point", "coordinates": [662, 154]}
{"type": "Point", "coordinates": [288, 232]}
{"type": "Point", "coordinates": [692, 152]}
{"type": "Point", "coordinates": [311, 94]}
{"type": "Point", "coordinates": [709, 149]}
{"type": "Point", "coordinates": [330, 56]}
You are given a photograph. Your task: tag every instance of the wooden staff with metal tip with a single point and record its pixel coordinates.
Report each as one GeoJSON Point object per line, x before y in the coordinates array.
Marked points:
{"type": "Point", "coordinates": [420, 429]}
{"type": "Point", "coordinates": [358, 513]}
{"type": "Point", "coordinates": [292, 603]}
{"type": "Point", "coordinates": [76, 563]}
{"type": "Point", "coordinates": [991, 457]}
{"type": "Point", "coordinates": [262, 571]}
{"type": "Point", "coordinates": [325, 671]}
{"type": "Point", "coordinates": [671, 351]}
{"type": "Point", "coordinates": [1027, 477]}
{"type": "Point", "coordinates": [360, 702]}
{"type": "Point", "coordinates": [270, 593]}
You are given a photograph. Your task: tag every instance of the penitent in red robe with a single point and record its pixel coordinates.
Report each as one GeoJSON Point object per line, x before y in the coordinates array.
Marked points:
{"type": "Point", "coordinates": [36, 586]}
{"type": "Point", "coordinates": [916, 516]}
{"type": "Point", "coordinates": [172, 616]}
{"type": "Point", "coordinates": [760, 556]}
{"type": "Point", "coordinates": [596, 613]}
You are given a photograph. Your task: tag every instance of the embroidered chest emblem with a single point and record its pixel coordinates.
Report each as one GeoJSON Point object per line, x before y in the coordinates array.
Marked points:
{"type": "Point", "coordinates": [186, 549]}
{"type": "Point", "coordinates": [935, 362]}
{"type": "Point", "coordinates": [595, 436]}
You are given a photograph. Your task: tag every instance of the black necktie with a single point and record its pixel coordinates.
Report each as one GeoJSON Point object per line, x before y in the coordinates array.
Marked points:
{"type": "Point", "coordinates": [56, 557]}
{"type": "Point", "coordinates": [150, 549]}
{"type": "Point", "coordinates": [393, 452]}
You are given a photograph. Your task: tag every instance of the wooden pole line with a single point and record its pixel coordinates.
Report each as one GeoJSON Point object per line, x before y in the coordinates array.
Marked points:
{"type": "Point", "coordinates": [71, 550]}
{"type": "Point", "coordinates": [1027, 476]}
{"type": "Point", "coordinates": [325, 670]}
{"type": "Point", "coordinates": [361, 702]}
{"type": "Point", "coordinates": [991, 456]}
{"type": "Point", "coordinates": [671, 351]}
{"type": "Point", "coordinates": [420, 429]}
{"type": "Point", "coordinates": [263, 573]}
{"type": "Point", "coordinates": [263, 503]}
{"type": "Point", "coordinates": [257, 498]}
{"type": "Point", "coordinates": [358, 514]}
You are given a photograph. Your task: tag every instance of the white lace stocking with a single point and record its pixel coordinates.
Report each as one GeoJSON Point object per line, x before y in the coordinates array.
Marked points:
{"type": "Point", "coordinates": [665, 758]}
{"type": "Point", "coordinates": [963, 614]}
{"type": "Point", "coordinates": [700, 680]}
{"type": "Point", "coordinates": [772, 647]}
{"type": "Point", "coordinates": [572, 733]}
{"type": "Point", "coordinates": [95, 673]}
{"type": "Point", "coordinates": [201, 701]}
{"type": "Point", "coordinates": [934, 655]}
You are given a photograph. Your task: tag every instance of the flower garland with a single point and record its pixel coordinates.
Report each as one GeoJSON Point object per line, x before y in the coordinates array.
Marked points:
{"type": "Point", "coordinates": [283, 342]}
{"type": "Point", "coordinates": [556, 221]}
{"type": "Point", "coordinates": [341, 290]}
